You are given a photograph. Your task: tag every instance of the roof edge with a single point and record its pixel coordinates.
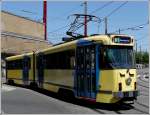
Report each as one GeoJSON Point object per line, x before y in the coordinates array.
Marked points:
{"type": "Point", "coordinates": [21, 17]}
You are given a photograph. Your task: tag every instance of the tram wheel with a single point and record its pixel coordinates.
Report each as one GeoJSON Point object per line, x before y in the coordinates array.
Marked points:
{"type": "Point", "coordinates": [10, 82]}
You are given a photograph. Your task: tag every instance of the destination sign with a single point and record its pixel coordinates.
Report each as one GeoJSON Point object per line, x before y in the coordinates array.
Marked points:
{"type": "Point", "coordinates": [120, 39]}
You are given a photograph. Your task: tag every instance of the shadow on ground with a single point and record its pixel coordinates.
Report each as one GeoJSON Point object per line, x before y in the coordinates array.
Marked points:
{"type": "Point", "coordinates": [70, 99]}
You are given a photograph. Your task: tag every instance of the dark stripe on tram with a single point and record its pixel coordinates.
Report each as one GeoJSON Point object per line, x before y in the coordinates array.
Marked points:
{"type": "Point", "coordinates": [18, 79]}
{"type": "Point", "coordinates": [69, 87]}
{"type": "Point", "coordinates": [106, 92]}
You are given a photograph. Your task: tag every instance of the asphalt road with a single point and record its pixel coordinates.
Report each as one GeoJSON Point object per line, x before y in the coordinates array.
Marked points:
{"type": "Point", "coordinates": [18, 100]}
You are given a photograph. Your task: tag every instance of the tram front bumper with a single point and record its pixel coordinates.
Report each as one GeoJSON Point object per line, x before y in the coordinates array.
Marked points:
{"type": "Point", "coordinates": [132, 94]}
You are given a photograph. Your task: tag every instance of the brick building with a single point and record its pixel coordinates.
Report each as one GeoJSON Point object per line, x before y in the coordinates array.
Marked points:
{"type": "Point", "coordinates": [20, 35]}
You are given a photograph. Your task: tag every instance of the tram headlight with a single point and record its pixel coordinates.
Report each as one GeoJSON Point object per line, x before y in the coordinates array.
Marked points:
{"type": "Point", "coordinates": [128, 81]}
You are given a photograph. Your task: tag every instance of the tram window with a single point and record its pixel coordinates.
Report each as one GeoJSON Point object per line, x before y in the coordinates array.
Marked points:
{"type": "Point", "coordinates": [60, 60]}
{"type": "Point", "coordinates": [27, 63]}
{"type": "Point", "coordinates": [102, 58]}
{"type": "Point", "coordinates": [15, 64]}
{"type": "Point", "coordinates": [116, 57]}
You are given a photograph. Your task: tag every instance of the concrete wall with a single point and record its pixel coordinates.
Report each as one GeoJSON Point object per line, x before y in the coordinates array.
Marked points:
{"type": "Point", "coordinates": [20, 25]}
{"type": "Point", "coordinates": [20, 35]}
{"type": "Point", "coordinates": [14, 45]}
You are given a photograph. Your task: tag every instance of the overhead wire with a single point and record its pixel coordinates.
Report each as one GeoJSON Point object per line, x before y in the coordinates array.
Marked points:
{"type": "Point", "coordinates": [112, 12]}
{"type": "Point", "coordinates": [59, 29]}
{"type": "Point", "coordinates": [95, 11]}
{"type": "Point", "coordinates": [65, 25]}
{"type": "Point", "coordinates": [98, 9]}
{"type": "Point", "coordinates": [102, 7]}
{"type": "Point", "coordinates": [66, 13]}
{"type": "Point", "coordinates": [91, 13]}
{"type": "Point", "coordinates": [132, 28]}
{"type": "Point", "coordinates": [116, 9]}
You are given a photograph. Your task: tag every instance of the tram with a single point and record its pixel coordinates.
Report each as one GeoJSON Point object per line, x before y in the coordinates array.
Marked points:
{"type": "Point", "coordinates": [100, 68]}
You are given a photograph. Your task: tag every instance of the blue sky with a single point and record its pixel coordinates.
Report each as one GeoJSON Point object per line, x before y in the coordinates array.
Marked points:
{"type": "Point", "coordinates": [131, 14]}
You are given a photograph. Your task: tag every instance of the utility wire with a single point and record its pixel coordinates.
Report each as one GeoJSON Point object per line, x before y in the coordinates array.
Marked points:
{"type": "Point", "coordinates": [65, 14]}
{"type": "Point", "coordinates": [105, 5]}
{"type": "Point", "coordinates": [132, 28]}
{"type": "Point", "coordinates": [91, 13]}
{"type": "Point", "coordinates": [59, 28]}
{"type": "Point", "coordinates": [112, 12]}
{"type": "Point", "coordinates": [55, 34]}
{"type": "Point", "coordinates": [29, 12]}
{"type": "Point", "coordinates": [116, 9]}
{"type": "Point", "coordinates": [71, 11]}
{"type": "Point", "coordinates": [95, 11]}
{"type": "Point", "coordinates": [64, 19]}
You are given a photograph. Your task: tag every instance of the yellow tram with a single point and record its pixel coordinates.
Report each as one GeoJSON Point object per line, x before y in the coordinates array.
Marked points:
{"type": "Point", "coordinates": [100, 68]}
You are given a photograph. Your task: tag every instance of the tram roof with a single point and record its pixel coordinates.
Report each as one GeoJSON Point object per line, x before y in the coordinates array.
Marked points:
{"type": "Point", "coordinates": [19, 56]}
{"type": "Point", "coordinates": [104, 39]}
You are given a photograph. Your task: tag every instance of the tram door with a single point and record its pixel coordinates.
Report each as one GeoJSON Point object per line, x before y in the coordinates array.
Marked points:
{"type": "Point", "coordinates": [26, 67]}
{"type": "Point", "coordinates": [40, 70]}
{"type": "Point", "coordinates": [86, 77]}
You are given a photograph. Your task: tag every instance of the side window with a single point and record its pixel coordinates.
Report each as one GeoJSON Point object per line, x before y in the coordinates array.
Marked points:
{"type": "Point", "coordinates": [40, 62]}
{"type": "Point", "coordinates": [60, 60]}
{"type": "Point", "coordinates": [15, 64]}
{"type": "Point", "coordinates": [26, 62]}
{"type": "Point", "coordinates": [102, 58]}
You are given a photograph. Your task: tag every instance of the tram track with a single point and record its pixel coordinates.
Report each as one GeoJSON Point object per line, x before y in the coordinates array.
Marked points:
{"type": "Point", "coordinates": [98, 111]}
{"type": "Point", "coordinates": [143, 80]}
{"type": "Point", "coordinates": [142, 104]}
{"type": "Point", "coordinates": [141, 111]}
{"type": "Point", "coordinates": [137, 109]}
{"type": "Point", "coordinates": [142, 85]}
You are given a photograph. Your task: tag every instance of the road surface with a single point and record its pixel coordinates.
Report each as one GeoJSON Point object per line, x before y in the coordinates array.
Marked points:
{"type": "Point", "coordinates": [18, 100]}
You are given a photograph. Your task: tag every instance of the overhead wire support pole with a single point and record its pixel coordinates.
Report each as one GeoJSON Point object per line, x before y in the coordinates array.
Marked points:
{"type": "Point", "coordinates": [105, 25]}
{"type": "Point", "coordinates": [85, 18]}
{"type": "Point", "coordinates": [136, 46]}
{"type": "Point", "coordinates": [45, 18]}
{"type": "Point", "coordinates": [119, 30]}
{"type": "Point", "coordinates": [140, 55]}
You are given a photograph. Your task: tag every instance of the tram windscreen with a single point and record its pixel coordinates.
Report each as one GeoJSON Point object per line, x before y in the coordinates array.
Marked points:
{"type": "Point", "coordinates": [118, 57]}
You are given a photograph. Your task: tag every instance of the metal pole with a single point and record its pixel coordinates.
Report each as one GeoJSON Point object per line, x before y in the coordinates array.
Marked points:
{"type": "Point", "coordinates": [140, 55]}
{"type": "Point", "coordinates": [85, 18]}
{"type": "Point", "coordinates": [119, 30]}
{"type": "Point", "coordinates": [45, 18]}
{"type": "Point", "coordinates": [136, 46]}
{"type": "Point", "coordinates": [106, 25]}
{"type": "Point", "coordinates": [136, 53]}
